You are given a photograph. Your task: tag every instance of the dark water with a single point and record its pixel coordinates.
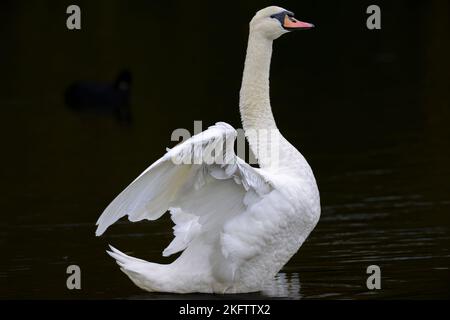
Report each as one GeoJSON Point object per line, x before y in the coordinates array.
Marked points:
{"type": "Point", "coordinates": [369, 110]}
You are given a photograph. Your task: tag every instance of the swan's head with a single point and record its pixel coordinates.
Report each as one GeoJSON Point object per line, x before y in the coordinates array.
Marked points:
{"type": "Point", "coordinates": [272, 22]}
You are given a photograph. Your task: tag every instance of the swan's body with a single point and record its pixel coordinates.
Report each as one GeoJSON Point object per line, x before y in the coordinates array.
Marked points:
{"type": "Point", "coordinates": [236, 225]}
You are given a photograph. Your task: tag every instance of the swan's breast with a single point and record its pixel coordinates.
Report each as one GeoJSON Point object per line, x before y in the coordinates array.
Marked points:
{"type": "Point", "coordinates": [261, 240]}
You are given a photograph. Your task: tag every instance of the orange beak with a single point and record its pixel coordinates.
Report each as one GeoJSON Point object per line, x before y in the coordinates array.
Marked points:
{"type": "Point", "coordinates": [290, 23]}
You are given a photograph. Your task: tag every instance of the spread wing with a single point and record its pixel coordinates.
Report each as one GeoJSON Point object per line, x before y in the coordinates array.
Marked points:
{"type": "Point", "coordinates": [200, 181]}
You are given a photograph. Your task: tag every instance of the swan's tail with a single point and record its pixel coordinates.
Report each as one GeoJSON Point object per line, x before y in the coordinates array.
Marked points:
{"type": "Point", "coordinates": [146, 275]}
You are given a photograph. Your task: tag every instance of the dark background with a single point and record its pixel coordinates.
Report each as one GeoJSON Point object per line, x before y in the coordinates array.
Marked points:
{"type": "Point", "coordinates": [368, 109]}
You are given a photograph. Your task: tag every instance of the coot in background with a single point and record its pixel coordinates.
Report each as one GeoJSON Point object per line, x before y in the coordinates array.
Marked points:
{"type": "Point", "coordinates": [102, 98]}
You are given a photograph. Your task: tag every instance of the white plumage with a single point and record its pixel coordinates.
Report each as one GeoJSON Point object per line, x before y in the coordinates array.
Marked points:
{"type": "Point", "coordinates": [236, 225]}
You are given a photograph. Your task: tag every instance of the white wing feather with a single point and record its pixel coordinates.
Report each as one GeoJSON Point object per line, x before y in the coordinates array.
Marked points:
{"type": "Point", "coordinates": [200, 196]}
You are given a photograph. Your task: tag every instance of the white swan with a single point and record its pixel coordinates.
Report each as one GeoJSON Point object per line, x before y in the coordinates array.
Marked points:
{"type": "Point", "coordinates": [236, 225]}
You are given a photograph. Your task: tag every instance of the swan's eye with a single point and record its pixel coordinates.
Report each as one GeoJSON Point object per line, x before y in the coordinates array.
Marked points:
{"type": "Point", "coordinates": [279, 16]}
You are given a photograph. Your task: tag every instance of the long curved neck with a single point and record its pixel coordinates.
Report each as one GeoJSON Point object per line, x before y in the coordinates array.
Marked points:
{"type": "Point", "coordinates": [254, 103]}
{"type": "Point", "coordinates": [256, 113]}
{"type": "Point", "coordinates": [266, 142]}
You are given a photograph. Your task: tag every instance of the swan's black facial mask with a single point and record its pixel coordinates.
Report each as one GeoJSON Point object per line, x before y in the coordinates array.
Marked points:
{"type": "Point", "coordinates": [289, 23]}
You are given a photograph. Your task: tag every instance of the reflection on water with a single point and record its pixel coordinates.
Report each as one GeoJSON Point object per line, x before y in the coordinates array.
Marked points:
{"type": "Point", "coordinates": [283, 286]}
{"type": "Point", "coordinates": [372, 130]}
